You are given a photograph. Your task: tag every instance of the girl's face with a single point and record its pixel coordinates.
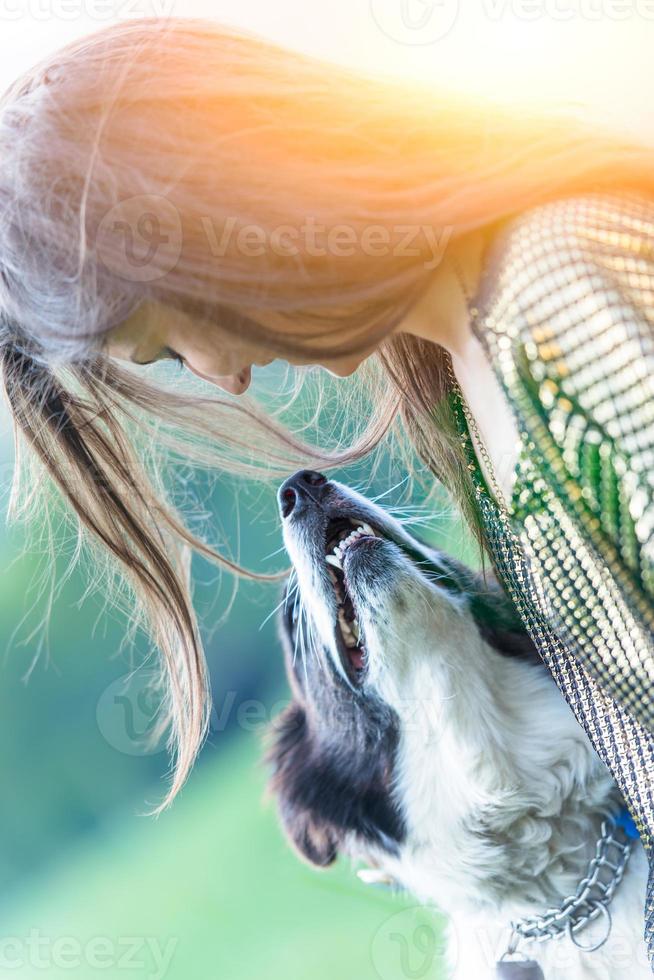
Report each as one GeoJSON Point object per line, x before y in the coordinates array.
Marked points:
{"type": "Point", "coordinates": [154, 332]}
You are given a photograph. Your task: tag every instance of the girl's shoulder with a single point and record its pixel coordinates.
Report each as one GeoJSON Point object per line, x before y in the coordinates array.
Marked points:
{"type": "Point", "coordinates": [572, 266]}
{"type": "Point", "coordinates": [564, 237]}
{"type": "Point", "coordinates": [568, 319]}
{"type": "Point", "coordinates": [604, 221]}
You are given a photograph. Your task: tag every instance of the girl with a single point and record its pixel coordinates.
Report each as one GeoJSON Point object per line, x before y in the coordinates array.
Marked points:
{"type": "Point", "coordinates": [171, 189]}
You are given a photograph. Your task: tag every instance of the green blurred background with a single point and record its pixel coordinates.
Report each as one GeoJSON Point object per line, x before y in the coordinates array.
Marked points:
{"type": "Point", "coordinates": [93, 888]}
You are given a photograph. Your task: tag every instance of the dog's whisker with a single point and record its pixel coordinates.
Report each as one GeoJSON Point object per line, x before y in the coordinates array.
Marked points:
{"type": "Point", "coordinates": [270, 615]}
{"type": "Point", "coordinates": [297, 614]}
{"type": "Point", "coordinates": [290, 592]}
{"type": "Point", "coordinates": [273, 554]}
{"type": "Point", "coordinates": [386, 493]}
{"type": "Point", "coordinates": [303, 647]}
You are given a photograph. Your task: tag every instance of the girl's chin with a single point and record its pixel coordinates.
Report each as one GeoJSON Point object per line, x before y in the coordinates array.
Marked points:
{"type": "Point", "coordinates": [341, 370]}
{"type": "Point", "coordinates": [337, 369]}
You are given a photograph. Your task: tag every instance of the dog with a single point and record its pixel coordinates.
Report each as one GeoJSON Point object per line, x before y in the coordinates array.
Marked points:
{"type": "Point", "coordinates": [426, 738]}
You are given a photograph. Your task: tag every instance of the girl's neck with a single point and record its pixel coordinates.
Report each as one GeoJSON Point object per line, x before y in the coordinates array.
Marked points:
{"type": "Point", "coordinates": [441, 313]}
{"type": "Point", "coordinates": [441, 316]}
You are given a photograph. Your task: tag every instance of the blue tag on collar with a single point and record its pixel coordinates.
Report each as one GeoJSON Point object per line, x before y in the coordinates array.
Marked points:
{"type": "Point", "coordinates": [518, 970]}
{"type": "Point", "coordinates": [626, 822]}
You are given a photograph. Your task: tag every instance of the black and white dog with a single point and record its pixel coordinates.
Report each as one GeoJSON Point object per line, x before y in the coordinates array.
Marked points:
{"type": "Point", "coordinates": [426, 738]}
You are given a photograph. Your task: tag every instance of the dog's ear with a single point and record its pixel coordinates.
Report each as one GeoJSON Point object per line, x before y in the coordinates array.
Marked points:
{"type": "Point", "coordinates": [293, 783]}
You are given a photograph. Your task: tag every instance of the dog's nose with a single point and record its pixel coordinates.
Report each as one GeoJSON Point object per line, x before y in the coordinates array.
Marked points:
{"type": "Point", "coordinates": [302, 486]}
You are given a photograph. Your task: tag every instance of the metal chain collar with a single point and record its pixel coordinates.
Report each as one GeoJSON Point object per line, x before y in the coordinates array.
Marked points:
{"type": "Point", "coordinates": [590, 900]}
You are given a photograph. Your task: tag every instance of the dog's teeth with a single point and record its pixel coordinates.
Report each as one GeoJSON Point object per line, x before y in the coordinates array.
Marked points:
{"type": "Point", "coordinates": [356, 631]}
{"type": "Point", "coordinates": [348, 635]}
{"type": "Point", "coordinates": [333, 560]}
{"type": "Point", "coordinates": [348, 539]}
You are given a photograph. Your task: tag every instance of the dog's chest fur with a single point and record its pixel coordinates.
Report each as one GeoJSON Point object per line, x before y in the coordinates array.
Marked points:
{"type": "Point", "coordinates": [498, 785]}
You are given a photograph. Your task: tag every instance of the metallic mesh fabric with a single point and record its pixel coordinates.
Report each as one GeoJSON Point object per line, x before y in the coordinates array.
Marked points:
{"type": "Point", "coordinates": [565, 313]}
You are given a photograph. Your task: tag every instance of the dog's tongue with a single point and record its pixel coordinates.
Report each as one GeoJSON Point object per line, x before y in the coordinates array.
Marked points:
{"type": "Point", "coordinates": [356, 656]}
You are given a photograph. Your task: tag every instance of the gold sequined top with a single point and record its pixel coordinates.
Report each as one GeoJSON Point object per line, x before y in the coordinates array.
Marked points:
{"type": "Point", "coordinates": [565, 312]}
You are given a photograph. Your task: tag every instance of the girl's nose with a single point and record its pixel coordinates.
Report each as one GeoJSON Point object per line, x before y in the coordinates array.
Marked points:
{"type": "Point", "coordinates": [234, 384]}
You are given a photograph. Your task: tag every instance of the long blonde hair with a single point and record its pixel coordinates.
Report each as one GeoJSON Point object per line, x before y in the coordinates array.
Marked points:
{"type": "Point", "coordinates": [279, 190]}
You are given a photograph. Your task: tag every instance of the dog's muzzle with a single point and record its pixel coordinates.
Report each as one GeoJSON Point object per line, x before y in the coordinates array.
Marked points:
{"type": "Point", "coordinates": [331, 538]}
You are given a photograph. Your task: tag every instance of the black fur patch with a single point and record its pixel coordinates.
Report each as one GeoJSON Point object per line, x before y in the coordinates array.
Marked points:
{"type": "Point", "coordinates": [332, 753]}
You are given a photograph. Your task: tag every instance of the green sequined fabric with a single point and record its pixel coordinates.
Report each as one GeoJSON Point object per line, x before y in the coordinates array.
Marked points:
{"type": "Point", "coordinates": [565, 312]}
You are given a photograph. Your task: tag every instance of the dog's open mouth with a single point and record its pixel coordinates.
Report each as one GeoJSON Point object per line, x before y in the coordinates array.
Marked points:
{"type": "Point", "coordinates": [343, 534]}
